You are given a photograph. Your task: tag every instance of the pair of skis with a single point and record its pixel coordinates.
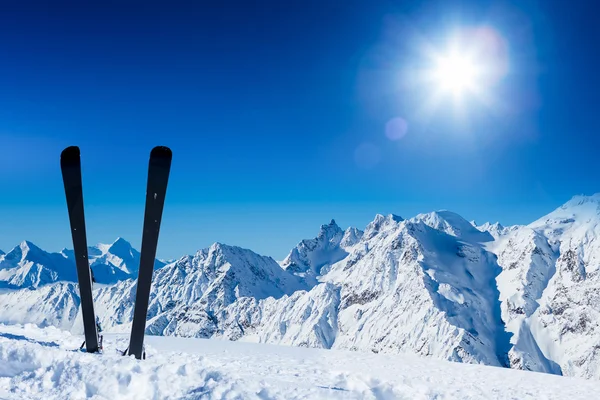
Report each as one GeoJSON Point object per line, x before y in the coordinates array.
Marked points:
{"type": "Point", "coordinates": [158, 176]}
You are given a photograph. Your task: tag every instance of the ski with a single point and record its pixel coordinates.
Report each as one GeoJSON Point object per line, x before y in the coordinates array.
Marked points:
{"type": "Point", "coordinates": [70, 165]}
{"type": "Point", "coordinates": [158, 177]}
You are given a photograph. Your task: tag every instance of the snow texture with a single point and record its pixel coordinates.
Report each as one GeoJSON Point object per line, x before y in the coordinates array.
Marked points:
{"type": "Point", "coordinates": [45, 363]}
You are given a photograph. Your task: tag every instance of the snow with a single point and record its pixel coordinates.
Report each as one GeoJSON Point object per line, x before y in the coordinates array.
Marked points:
{"type": "Point", "coordinates": [46, 363]}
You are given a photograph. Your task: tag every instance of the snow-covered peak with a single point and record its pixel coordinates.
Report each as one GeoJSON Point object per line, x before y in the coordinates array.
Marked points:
{"type": "Point", "coordinates": [25, 251]}
{"type": "Point", "coordinates": [210, 280]}
{"type": "Point", "coordinates": [310, 255]}
{"type": "Point", "coordinates": [221, 253]}
{"type": "Point", "coordinates": [329, 232]}
{"type": "Point", "coordinates": [489, 226]}
{"type": "Point", "coordinates": [381, 223]}
{"type": "Point", "coordinates": [351, 237]}
{"type": "Point", "coordinates": [497, 230]}
{"type": "Point", "coordinates": [575, 225]}
{"type": "Point", "coordinates": [26, 265]}
{"type": "Point", "coordinates": [121, 246]}
{"type": "Point", "coordinates": [27, 248]}
{"type": "Point", "coordinates": [115, 261]}
{"type": "Point", "coordinates": [246, 269]}
{"type": "Point", "coordinates": [580, 210]}
{"type": "Point", "coordinates": [453, 224]}
{"type": "Point", "coordinates": [582, 200]}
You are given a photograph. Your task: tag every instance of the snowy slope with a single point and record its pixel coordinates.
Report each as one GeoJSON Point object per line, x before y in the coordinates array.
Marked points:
{"type": "Point", "coordinates": [37, 363]}
{"type": "Point", "coordinates": [55, 304]}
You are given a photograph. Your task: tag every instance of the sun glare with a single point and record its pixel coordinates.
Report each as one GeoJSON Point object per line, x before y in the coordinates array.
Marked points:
{"type": "Point", "coordinates": [456, 73]}
{"type": "Point", "coordinates": [465, 71]}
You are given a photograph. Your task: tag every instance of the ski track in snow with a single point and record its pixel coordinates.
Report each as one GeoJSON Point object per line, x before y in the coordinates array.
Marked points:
{"type": "Point", "coordinates": [46, 363]}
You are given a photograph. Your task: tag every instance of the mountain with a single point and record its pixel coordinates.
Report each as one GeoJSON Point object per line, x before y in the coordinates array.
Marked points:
{"type": "Point", "coordinates": [497, 230]}
{"type": "Point", "coordinates": [565, 324]}
{"type": "Point", "coordinates": [27, 265]}
{"type": "Point", "coordinates": [55, 304]}
{"type": "Point", "coordinates": [113, 262]}
{"type": "Point", "coordinates": [524, 296]}
{"type": "Point", "coordinates": [311, 255]}
{"type": "Point", "coordinates": [528, 263]}
{"type": "Point", "coordinates": [407, 286]}
{"type": "Point", "coordinates": [188, 295]}
{"type": "Point", "coordinates": [454, 225]}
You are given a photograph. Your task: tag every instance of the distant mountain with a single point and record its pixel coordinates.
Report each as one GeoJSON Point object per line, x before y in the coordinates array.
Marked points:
{"type": "Point", "coordinates": [113, 262]}
{"type": "Point", "coordinates": [497, 230]}
{"type": "Point", "coordinates": [525, 297]}
{"type": "Point", "coordinates": [27, 265]}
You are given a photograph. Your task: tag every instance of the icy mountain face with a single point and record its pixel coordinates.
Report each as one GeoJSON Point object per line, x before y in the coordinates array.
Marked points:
{"type": "Point", "coordinates": [528, 264]}
{"type": "Point", "coordinates": [409, 287]}
{"type": "Point", "coordinates": [29, 266]}
{"type": "Point", "coordinates": [566, 323]}
{"type": "Point", "coordinates": [549, 290]}
{"type": "Point", "coordinates": [311, 255]}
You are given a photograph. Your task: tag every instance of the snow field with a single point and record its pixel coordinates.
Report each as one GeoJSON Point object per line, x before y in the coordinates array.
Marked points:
{"type": "Point", "coordinates": [46, 364]}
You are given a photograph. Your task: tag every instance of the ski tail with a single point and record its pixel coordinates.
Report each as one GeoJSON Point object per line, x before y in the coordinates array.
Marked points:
{"type": "Point", "coordinates": [158, 177]}
{"type": "Point", "coordinates": [70, 164]}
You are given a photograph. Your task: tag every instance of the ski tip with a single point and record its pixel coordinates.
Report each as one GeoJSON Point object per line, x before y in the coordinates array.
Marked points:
{"type": "Point", "coordinates": [161, 152]}
{"type": "Point", "coordinates": [70, 154]}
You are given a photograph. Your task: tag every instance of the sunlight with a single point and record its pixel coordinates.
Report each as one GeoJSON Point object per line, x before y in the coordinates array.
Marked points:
{"type": "Point", "coordinates": [464, 72]}
{"type": "Point", "coordinates": [456, 73]}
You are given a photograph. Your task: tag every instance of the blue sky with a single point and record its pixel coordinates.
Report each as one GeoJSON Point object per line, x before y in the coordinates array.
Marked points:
{"type": "Point", "coordinates": [277, 112]}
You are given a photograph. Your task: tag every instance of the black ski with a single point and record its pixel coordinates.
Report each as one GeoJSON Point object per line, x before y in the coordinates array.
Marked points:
{"type": "Point", "coordinates": [158, 177]}
{"type": "Point", "coordinates": [70, 165]}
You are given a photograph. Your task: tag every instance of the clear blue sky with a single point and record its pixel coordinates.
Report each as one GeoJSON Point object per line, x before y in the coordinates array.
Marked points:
{"type": "Point", "coordinates": [276, 114]}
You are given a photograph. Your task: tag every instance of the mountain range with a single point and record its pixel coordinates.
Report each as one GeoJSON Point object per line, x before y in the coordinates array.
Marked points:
{"type": "Point", "coordinates": [524, 297]}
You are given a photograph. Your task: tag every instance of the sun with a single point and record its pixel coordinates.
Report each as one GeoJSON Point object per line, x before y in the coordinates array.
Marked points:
{"type": "Point", "coordinates": [456, 73]}
{"type": "Point", "coordinates": [465, 72]}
